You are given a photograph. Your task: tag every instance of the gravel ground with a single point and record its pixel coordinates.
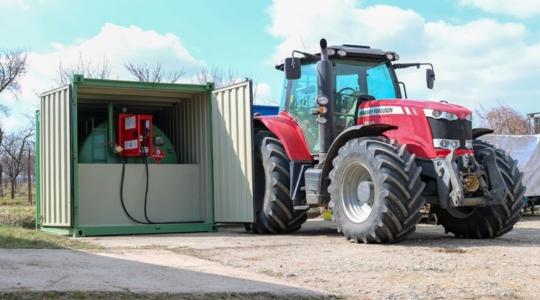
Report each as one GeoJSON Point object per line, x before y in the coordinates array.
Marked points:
{"type": "Point", "coordinates": [430, 264]}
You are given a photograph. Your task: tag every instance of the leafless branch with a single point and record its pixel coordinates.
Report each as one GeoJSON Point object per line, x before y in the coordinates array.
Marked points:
{"type": "Point", "coordinates": [504, 120]}
{"type": "Point", "coordinates": [12, 67]}
{"type": "Point", "coordinates": [87, 69]}
{"type": "Point", "coordinates": [154, 73]}
{"type": "Point", "coordinates": [218, 76]}
{"type": "Point", "coordinates": [14, 145]}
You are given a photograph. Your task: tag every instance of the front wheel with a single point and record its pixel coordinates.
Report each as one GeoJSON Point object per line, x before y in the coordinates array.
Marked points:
{"type": "Point", "coordinates": [375, 191]}
{"type": "Point", "coordinates": [274, 211]}
{"type": "Point", "coordinates": [489, 221]}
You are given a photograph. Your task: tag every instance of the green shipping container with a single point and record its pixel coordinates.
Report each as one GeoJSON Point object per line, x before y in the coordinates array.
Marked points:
{"type": "Point", "coordinates": [208, 181]}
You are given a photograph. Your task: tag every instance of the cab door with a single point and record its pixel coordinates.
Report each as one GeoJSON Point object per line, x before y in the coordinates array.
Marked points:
{"type": "Point", "coordinates": [232, 139]}
{"type": "Point", "coordinates": [301, 100]}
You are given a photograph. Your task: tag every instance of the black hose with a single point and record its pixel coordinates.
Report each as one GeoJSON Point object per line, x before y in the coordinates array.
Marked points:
{"type": "Point", "coordinates": [122, 194]}
{"type": "Point", "coordinates": [148, 221]}
{"type": "Point", "coordinates": [145, 160]}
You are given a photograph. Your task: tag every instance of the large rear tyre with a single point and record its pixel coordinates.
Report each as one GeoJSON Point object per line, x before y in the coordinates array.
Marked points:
{"type": "Point", "coordinates": [273, 204]}
{"type": "Point", "coordinates": [489, 221]}
{"type": "Point", "coordinates": [376, 191]}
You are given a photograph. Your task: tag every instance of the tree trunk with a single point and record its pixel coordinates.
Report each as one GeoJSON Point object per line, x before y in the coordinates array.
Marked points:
{"type": "Point", "coordinates": [29, 177]}
{"type": "Point", "coordinates": [13, 183]}
{"type": "Point", "coordinates": [1, 185]}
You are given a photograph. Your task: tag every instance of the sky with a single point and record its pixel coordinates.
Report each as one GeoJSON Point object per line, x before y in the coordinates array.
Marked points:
{"type": "Point", "coordinates": [485, 52]}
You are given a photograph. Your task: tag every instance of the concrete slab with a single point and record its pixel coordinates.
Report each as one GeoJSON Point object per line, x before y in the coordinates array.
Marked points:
{"type": "Point", "coordinates": [137, 271]}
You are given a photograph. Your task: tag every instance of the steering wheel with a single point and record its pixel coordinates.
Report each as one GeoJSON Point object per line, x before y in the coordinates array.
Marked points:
{"type": "Point", "coordinates": [344, 104]}
{"type": "Point", "coordinates": [340, 92]}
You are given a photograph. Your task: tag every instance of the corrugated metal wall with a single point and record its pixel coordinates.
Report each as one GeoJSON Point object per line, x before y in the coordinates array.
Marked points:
{"type": "Point", "coordinates": [233, 153]}
{"type": "Point", "coordinates": [55, 161]}
{"type": "Point", "coordinates": [191, 130]}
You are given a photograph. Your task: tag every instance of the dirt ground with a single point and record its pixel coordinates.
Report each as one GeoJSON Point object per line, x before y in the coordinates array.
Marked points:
{"type": "Point", "coordinates": [316, 262]}
{"type": "Point", "coordinates": [430, 264]}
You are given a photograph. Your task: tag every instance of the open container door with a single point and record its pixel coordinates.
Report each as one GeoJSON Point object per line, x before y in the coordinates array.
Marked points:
{"type": "Point", "coordinates": [55, 164]}
{"type": "Point", "coordinates": [232, 139]}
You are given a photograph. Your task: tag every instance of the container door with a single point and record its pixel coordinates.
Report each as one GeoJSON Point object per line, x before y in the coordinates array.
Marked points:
{"type": "Point", "coordinates": [55, 158]}
{"type": "Point", "coordinates": [232, 137]}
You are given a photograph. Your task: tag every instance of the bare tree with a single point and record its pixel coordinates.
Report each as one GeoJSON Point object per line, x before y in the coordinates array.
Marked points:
{"type": "Point", "coordinates": [64, 74]}
{"type": "Point", "coordinates": [153, 73]}
{"type": "Point", "coordinates": [29, 170]}
{"type": "Point", "coordinates": [504, 120]}
{"type": "Point", "coordinates": [220, 77]}
{"type": "Point", "coordinates": [14, 146]}
{"type": "Point", "coordinates": [1, 177]}
{"type": "Point", "coordinates": [12, 67]}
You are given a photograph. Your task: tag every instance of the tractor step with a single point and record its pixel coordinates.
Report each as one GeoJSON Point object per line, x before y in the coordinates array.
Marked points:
{"type": "Point", "coordinates": [301, 207]}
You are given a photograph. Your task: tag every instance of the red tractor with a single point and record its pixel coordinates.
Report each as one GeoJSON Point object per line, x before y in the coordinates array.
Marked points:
{"type": "Point", "coordinates": [346, 138]}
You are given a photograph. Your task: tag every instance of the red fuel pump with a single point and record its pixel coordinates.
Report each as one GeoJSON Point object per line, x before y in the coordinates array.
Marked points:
{"type": "Point", "coordinates": [135, 134]}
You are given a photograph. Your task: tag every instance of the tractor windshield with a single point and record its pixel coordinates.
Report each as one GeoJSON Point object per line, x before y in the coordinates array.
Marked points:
{"type": "Point", "coordinates": [362, 78]}
{"type": "Point", "coordinates": [354, 80]}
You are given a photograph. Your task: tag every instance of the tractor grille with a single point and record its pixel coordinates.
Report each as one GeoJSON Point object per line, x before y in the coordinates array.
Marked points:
{"type": "Point", "coordinates": [460, 129]}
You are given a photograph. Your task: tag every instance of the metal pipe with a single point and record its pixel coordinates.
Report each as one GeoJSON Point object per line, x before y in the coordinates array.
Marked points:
{"type": "Point", "coordinates": [110, 128]}
{"type": "Point", "coordinates": [325, 83]}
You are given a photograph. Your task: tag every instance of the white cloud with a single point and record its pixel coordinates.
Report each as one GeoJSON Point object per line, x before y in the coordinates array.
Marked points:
{"type": "Point", "coordinates": [481, 62]}
{"type": "Point", "coordinates": [263, 94]}
{"type": "Point", "coordinates": [515, 8]}
{"type": "Point", "coordinates": [116, 45]}
{"type": "Point", "coordinates": [22, 4]}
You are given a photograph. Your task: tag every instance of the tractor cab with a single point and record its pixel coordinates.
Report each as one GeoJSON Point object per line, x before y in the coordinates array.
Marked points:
{"type": "Point", "coordinates": [359, 74]}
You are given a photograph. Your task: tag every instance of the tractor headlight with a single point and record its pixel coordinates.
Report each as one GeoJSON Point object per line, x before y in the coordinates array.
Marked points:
{"type": "Point", "coordinates": [437, 114]}
{"type": "Point", "coordinates": [331, 51]}
{"type": "Point", "coordinates": [342, 53]}
{"type": "Point", "coordinates": [446, 144]}
{"type": "Point", "coordinates": [469, 144]}
{"type": "Point", "coordinates": [450, 116]}
{"type": "Point", "coordinates": [322, 100]}
{"type": "Point", "coordinates": [390, 56]}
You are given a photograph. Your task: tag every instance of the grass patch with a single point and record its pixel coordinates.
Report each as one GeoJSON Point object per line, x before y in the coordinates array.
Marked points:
{"type": "Point", "coordinates": [18, 215]}
{"type": "Point", "coordinates": [16, 237]}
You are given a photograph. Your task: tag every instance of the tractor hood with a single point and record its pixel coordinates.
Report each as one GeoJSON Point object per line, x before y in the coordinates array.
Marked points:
{"type": "Point", "coordinates": [418, 106]}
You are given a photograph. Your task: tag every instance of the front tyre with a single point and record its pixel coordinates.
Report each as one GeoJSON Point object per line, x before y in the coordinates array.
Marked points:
{"type": "Point", "coordinates": [274, 211]}
{"type": "Point", "coordinates": [375, 191]}
{"type": "Point", "coordinates": [489, 221]}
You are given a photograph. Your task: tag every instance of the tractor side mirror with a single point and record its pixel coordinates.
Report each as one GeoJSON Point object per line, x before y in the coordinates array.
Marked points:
{"type": "Point", "coordinates": [430, 78]}
{"type": "Point", "coordinates": [292, 68]}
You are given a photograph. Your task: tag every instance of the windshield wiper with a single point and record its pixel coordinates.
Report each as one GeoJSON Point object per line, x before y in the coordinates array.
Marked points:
{"type": "Point", "coordinates": [409, 65]}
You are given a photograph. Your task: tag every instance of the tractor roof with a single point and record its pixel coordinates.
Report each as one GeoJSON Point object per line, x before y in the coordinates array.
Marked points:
{"type": "Point", "coordinates": [351, 51]}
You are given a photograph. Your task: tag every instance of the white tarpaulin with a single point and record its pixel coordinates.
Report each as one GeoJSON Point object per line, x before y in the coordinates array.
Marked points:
{"type": "Point", "coordinates": [526, 149]}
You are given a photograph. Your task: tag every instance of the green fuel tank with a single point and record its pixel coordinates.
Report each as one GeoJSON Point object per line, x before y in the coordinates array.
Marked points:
{"type": "Point", "coordinates": [96, 150]}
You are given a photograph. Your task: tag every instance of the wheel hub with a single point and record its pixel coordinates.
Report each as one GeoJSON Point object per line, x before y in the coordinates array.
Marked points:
{"type": "Point", "coordinates": [365, 193]}
{"type": "Point", "coordinates": [357, 193]}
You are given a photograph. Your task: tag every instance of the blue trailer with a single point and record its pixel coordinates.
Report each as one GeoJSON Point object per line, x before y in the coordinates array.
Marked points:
{"type": "Point", "coordinates": [265, 110]}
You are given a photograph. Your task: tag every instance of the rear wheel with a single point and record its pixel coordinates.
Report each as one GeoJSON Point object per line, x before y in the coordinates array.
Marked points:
{"type": "Point", "coordinates": [489, 221]}
{"type": "Point", "coordinates": [375, 191]}
{"type": "Point", "coordinates": [273, 204]}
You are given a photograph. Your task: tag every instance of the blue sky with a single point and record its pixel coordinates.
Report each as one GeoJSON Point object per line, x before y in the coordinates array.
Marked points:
{"type": "Point", "coordinates": [485, 52]}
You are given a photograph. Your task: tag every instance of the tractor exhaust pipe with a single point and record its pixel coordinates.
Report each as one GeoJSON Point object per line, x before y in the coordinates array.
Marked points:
{"type": "Point", "coordinates": [325, 100]}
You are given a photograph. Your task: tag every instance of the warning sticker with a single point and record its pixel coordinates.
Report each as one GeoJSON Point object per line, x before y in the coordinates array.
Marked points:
{"type": "Point", "coordinates": [157, 154]}
{"type": "Point", "coordinates": [130, 145]}
{"type": "Point", "coordinates": [130, 122]}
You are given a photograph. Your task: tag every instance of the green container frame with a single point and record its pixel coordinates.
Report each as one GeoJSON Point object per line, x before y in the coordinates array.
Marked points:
{"type": "Point", "coordinates": [76, 229]}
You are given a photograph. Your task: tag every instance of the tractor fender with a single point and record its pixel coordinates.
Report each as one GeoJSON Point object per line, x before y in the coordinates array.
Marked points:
{"type": "Point", "coordinates": [345, 136]}
{"type": "Point", "coordinates": [289, 134]}
{"type": "Point", "coordinates": [478, 132]}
